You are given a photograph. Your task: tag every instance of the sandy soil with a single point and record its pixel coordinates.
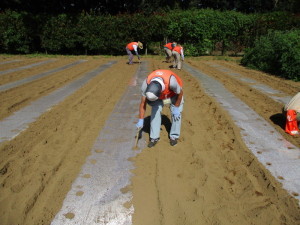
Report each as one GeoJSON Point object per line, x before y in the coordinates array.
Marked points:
{"type": "Point", "coordinates": [210, 177]}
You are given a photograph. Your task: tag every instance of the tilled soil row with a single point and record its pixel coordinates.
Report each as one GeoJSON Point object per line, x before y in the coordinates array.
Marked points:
{"type": "Point", "coordinates": [265, 106]}
{"type": "Point", "coordinates": [210, 177]}
{"type": "Point", "coordinates": [40, 164]}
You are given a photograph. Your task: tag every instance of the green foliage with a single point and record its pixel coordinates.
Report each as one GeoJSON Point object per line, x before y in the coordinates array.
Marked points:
{"type": "Point", "coordinates": [14, 34]}
{"type": "Point", "coordinates": [110, 34]}
{"type": "Point", "coordinates": [203, 48]}
{"type": "Point", "coordinates": [278, 52]}
{"type": "Point", "coordinates": [200, 32]}
{"type": "Point", "coordinates": [205, 28]}
{"type": "Point", "coordinates": [147, 7]}
{"type": "Point", "coordinates": [59, 34]}
{"type": "Point", "coordinates": [155, 48]}
{"type": "Point", "coordinates": [274, 21]}
{"type": "Point", "coordinates": [89, 32]}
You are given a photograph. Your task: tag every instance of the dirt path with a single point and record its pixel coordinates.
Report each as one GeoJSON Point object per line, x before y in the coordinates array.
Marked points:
{"type": "Point", "coordinates": [210, 177]}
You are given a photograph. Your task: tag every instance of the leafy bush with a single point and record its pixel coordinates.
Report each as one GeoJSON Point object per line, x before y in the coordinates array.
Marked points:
{"type": "Point", "coordinates": [278, 52]}
{"type": "Point", "coordinates": [205, 28]}
{"type": "Point", "coordinates": [110, 34]}
{"type": "Point", "coordinates": [198, 31]}
{"type": "Point", "coordinates": [14, 34]}
{"type": "Point", "coordinates": [59, 34]}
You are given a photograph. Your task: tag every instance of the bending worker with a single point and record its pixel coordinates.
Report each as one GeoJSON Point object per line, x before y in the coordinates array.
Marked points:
{"type": "Point", "coordinates": [168, 50]}
{"type": "Point", "coordinates": [162, 87]}
{"type": "Point", "coordinates": [133, 47]}
{"type": "Point", "coordinates": [177, 54]}
{"type": "Point", "coordinates": [292, 113]}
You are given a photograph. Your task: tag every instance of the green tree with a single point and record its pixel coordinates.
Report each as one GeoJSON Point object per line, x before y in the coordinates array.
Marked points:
{"type": "Point", "coordinates": [59, 35]}
{"type": "Point", "coordinates": [14, 34]}
{"type": "Point", "coordinates": [278, 52]}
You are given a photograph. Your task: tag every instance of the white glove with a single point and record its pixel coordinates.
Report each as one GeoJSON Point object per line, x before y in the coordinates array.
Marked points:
{"type": "Point", "coordinates": [176, 113]}
{"type": "Point", "coordinates": [140, 124]}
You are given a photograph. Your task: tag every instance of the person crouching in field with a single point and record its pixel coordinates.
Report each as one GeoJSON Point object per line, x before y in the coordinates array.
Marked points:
{"type": "Point", "coordinates": [177, 53]}
{"type": "Point", "coordinates": [160, 88]}
{"type": "Point", "coordinates": [292, 113]}
{"type": "Point", "coordinates": [133, 47]}
{"type": "Point", "coordinates": [168, 50]}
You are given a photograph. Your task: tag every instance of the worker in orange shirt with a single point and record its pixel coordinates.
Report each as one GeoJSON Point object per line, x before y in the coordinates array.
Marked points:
{"type": "Point", "coordinates": [178, 56]}
{"type": "Point", "coordinates": [162, 88]}
{"type": "Point", "coordinates": [168, 50]}
{"type": "Point", "coordinates": [133, 47]}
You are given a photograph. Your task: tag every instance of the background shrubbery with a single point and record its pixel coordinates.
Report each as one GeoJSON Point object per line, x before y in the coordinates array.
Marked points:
{"type": "Point", "coordinates": [15, 34]}
{"type": "Point", "coordinates": [201, 32]}
{"type": "Point", "coordinates": [278, 52]}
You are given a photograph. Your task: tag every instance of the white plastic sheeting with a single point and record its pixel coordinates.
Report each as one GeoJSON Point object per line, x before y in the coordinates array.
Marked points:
{"type": "Point", "coordinates": [106, 174]}
{"type": "Point", "coordinates": [278, 155]}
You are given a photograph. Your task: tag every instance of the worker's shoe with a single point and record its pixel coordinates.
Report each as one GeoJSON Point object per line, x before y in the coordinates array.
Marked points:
{"type": "Point", "coordinates": [152, 142]}
{"type": "Point", "coordinates": [173, 142]}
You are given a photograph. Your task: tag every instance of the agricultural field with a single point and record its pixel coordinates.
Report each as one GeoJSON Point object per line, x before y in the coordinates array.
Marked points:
{"type": "Point", "coordinates": [67, 131]}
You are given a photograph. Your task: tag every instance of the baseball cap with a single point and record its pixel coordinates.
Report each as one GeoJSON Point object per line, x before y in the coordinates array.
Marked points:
{"type": "Point", "coordinates": [153, 90]}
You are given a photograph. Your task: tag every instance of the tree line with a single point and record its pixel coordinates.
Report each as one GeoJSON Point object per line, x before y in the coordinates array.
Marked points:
{"type": "Point", "coordinates": [200, 31]}
{"type": "Point", "coordinates": [114, 7]}
{"type": "Point", "coordinates": [269, 40]}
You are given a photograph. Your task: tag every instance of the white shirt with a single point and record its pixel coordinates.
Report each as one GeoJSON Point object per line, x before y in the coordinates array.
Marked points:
{"type": "Point", "coordinates": [135, 47]}
{"type": "Point", "coordinates": [294, 103]}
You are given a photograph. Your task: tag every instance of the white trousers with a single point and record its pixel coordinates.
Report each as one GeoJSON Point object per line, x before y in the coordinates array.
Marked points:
{"type": "Point", "coordinates": [177, 60]}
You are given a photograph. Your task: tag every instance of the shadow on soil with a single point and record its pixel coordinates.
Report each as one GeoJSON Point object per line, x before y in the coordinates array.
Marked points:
{"type": "Point", "coordinates": [279, 119]}
{"type": "Point", "coordinates": [165, 121]}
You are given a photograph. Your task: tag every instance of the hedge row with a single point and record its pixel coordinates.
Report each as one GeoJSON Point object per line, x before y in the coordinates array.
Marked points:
{"type": "Point", "coordinates": [278, 53]}
{"type": "Point", "coordinates": [199, 31]}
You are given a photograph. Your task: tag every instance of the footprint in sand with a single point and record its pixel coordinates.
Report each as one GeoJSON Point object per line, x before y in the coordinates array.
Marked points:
{"type": "Point", "coordinates": [79, 193]}
{"type": "Point", "coordinates": [69, 215]}
{"type": "Point", "coordinates": [93, 161]}
{"type": "Point", "coordinates": [87, 175]}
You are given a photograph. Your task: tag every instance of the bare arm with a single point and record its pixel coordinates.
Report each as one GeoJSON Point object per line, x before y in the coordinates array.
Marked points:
{"type": "Point", "coordinates": [142, 108]}
{"type": "Point", "coordinates": [179, 98]}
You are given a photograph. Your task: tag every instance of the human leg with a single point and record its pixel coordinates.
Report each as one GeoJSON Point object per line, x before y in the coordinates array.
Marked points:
{"type": "Point", "coordinates": [130, 56]}
{"type": "Point", "coordinates": [168, 53]}
{"type": "Point", "coordinates": [178, 61]}
{"type": "Point", "coordinates": [174, 60]}
{"type": "Point", "coordinates": [298, 116]}
{"type": "Point", "coordinates": [155, 121]}
{"type": "Point", "coordinates": [176, 125]}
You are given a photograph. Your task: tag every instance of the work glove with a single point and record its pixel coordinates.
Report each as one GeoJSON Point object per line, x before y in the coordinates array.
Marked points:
{"type": "Point", "coordinates": [140, 124]}
{"type": "Point", "coordinates": [176, 113]}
